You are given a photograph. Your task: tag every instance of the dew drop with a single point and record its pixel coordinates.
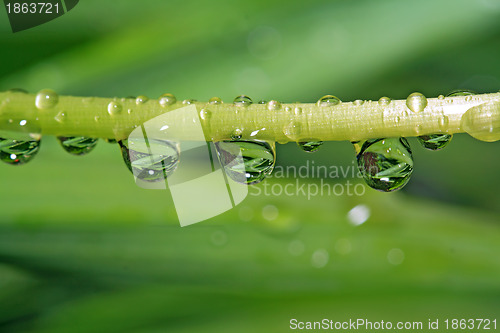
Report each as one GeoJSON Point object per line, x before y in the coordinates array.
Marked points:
{"type": "Point", "coordinates": [273, 105]}
{"type": "Point", "coordinates": [385, 164]}
{"type": "Point", "coordinates": [150, 167]}
{"type": "Point", "coordinates": [166, 100]}
{"type": "Point", "coordinates": [242, 101]}
{"type": "Point", "coordinates": [256, 162]}
{"type": "Point", "coordinates": [141, 100]}
{"type": "Point", "coordinates": [114, 108]}
{"type": "Point", "coordinates": [298, 111]}
{"type": "Point", "coordinates": [215, 100]}
{"type": "Point", "coordinates": [441, 97]}
{"type": "Point", "coordinates": [236, 134]}
{"type": "Point", "coordinates": [328, 100]}
{"type": "Point", "coordinates": [358, 102]}
{"type": "Point", "coordinates": [416, 102]}
{"type": "Point", "coordinates": [310, 146]}
{"type": "Point", "coordinates": [262, 101]}
{"type": "Point", "coordinates": [384, 101]}
{"type": "Point", "coordinates": [456, 93]}
{"type": "Point", "coordinates": [435, 141]}
{"type": "Point", "coordinates": [205, 114]}
{"type": "Point", "coordinates": [60, 117]}
{"type": "Point", "coordinates": [19, 141]}
{"type": "Point", "coordinates": [188, 101]}
{"type": "Point", "coordinates": [443, 122]}
{"type": "Point", "coordinates": [18, 90]}
{"type": "Point", "coordinates": [293, 130]}
{"type": "Point", "coordinates": [77, 145]}
{"type": "Point", "coordinates": [46, 99]}
{"type": "Point", "coordinates": [483, 121]}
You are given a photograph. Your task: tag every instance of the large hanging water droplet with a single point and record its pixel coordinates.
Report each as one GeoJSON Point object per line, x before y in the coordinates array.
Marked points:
{"type": "Point", "coordinates": [483, 121]}
{"type": "Point", "coordinates": [328, 100]}
{"type": "Point", "coordinates": [435, 141]}
{"type": "Point", "coordinates": [167, 99]}
{"type": "Point", "coordinates": [258, 159]}
{"type": "Point", "coordinates": [77, 145]}
{"type": "Point", "coordinates": [416, 102]}
{"type": "Point", "coordinates": [385, 164]}
{"type": "Point", "coordinates": [147, 166]}
{"type": "Point", "coordinates": [242, 101]}
{"type": "Point", "coordinates": [310, 146]}
{"type": "Point", "coordinates": [19, 141]}
{"type": "Point", "coordinates": [46, 99]}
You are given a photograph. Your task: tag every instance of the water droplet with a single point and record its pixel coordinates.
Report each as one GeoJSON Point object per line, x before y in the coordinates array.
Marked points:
{"type": "Point", "coordinates": [167, 99]}
{"type": "Point", "coordinates": [188, 101]}
{"type": "Point", "coordinates": [19, 141]}
{"type": "Point", "coordinates": [461, 93]}
{"type": "Point", "coordinates": [309, 146]}
{"type": "Point", "coordinates": [18, 90]}
{"type": "Point", "coordinates": [483, 121]}
{"type": "Point", "coordinates": [293, 130]}
{"type": "Point", "coordinates": [77, 145]}
{"type": "Point", "coordinates": [258, 158]}
{"type": "Point", "coordinates": [443, 122]}
{"type": "Point", "coordinates": [236, 134]}
{"type": "Point", "coordinates": [328, 100]}
{"type": "Point", "coordinates": [384, 101]}
{"type": "Point", "coordinates": [141, 100]}
{"type": "Point", "coordinates": [97, 119]}
{"type": "Point", "coordinates": [273, 105]}
{"type": "Point", "coordinates": [385, 164]}
{"type": "Point", "coordinates": [150, 167]}
{"type": "Point", "coordinates": [60, 117]}
{"type": "Point", "coordinates": [205, 114]}
{"type": "Point", "coordinates": [262, 101]}
{"type": "Point", "coordinates": [358, 102]}
{"type": "Point", "coordinates": [435, 141]}
{"type": "Point", "coordinates": [242, 101]}
{"type": "Point", "coordinates": [215, 100]}
{"type": "Point", "coordinates": [441, 97]}
{"type": "Point", "coordinates": [114, 108]}
{"type": "Point", "coordinates": [298, 111]}
{"type": "Point", "coordinates": [416, 102]}
{"type": "Point", "coordinates": [46, 99]}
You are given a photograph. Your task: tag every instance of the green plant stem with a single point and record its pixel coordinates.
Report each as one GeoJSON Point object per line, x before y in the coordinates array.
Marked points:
{"type": "Point", "coordinates": [353, 121]}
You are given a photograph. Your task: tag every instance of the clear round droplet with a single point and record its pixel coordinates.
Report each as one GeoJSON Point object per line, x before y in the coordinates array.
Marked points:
{"type": "Point", "coordinates": [215, 100]}
{"type": "Point", "coordinates": [60, 117]}
{"type": "Point", "coordinates": [114, 108]}
{"type": "Point", "coordinates": [77, 145]}
{"type": "Point", "coordinates": [46, 99]}
{"type": "Point", "coordinates": [385, 164]}
{"type": "Point", "coordinates": [416, 102]}
{"type": "Point", "coordinates": [242, 101]}
{"type": "Point", "coordinates": [456, 93]}
{"type": "Point", "coordinates": [167, 99]}
{"type": "Point", "coordinates": [328, 100]}
{"type": "Point", "coordinates": [19, 141]}
{"type": "Point", "coordinates": [358, 102]}
{"type": "Point", "coordinates": [441, 97]}
{"type": "Point", "coordinates": [256, 162]}
{"type": "Point", "coordinates": [435, 141]}
{"type": "Point", "coordinates": [141, 99]}
{"type": "Point", "coordinates": [273, 105]}
{"type": "Point", "coordinates": [188, 101]}
{"type": "Point", "coordinates": [236, 134]}
{"type": "Point", "coordinates": [384, 101]}
{"type": "Point", "coordinates": [483, 121]}
{"type": "Point", "coordinates": [150, 167]}
{"type": "Point", "coordinates": [309, 146]}
{"type": "Point", "coordinates": [205, 114]}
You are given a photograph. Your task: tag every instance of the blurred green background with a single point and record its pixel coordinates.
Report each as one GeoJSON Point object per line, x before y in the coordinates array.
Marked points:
{"type": "Point", "coordinates": [82, 249]}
